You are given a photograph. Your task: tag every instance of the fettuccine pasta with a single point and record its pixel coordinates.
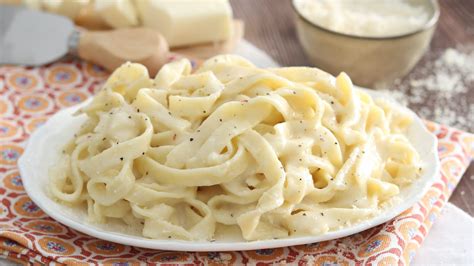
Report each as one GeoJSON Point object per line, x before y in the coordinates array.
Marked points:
{"type": "Point", "coordinates": [266, 153]}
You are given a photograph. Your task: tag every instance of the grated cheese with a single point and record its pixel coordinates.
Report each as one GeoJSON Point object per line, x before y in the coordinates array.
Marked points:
{"type": "Point", "coordinates": [370, 18]}
{"type": "Point", "coordinates": [439, 89]}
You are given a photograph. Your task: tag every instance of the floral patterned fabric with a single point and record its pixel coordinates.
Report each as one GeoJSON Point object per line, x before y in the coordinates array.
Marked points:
{"type": "Point", "coordinates": [27, 235]}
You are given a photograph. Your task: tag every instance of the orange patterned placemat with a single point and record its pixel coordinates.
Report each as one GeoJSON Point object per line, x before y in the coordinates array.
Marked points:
{"type": "Point", "coordinates": [30, 95]}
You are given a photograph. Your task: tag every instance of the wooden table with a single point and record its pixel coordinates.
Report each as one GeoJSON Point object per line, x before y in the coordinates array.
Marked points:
{"type": "Point", "coordinates": [269, 25]}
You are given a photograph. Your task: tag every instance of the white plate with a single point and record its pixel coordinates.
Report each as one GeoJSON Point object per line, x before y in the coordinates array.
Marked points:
{"type": "Point", "coordinates": [44, 148]}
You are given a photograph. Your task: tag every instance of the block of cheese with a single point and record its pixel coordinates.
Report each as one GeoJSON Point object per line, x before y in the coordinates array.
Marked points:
{"type": "Point", "coordinates": [68, 8]}
{"type": "Point", "coordinates": [208, 50]}
{"type": "Point", "coordinates": [117, 13]}
{"type": "Point", "coordinates": [187, 22]}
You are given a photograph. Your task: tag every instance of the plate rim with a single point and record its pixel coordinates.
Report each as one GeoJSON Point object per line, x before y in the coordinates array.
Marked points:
{"type": "Point", "coordinates": [41, 199]}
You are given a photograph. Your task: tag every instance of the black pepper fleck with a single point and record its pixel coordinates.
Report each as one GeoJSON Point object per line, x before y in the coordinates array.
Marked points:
{"type": "Point", "coordinates": [121, 158]}
{"type": "Point", "coordinates": [191, 139]}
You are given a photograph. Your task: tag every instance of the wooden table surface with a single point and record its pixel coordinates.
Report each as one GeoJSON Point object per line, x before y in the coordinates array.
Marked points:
{"type": "Point", "coordinates": [269, 24]}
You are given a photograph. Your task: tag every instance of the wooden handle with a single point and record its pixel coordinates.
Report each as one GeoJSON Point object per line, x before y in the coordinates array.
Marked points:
{"type": "Point", "coordinates": [111, 49]}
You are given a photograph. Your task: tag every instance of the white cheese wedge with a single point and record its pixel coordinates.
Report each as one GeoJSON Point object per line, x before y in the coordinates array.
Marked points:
{"type": "Point", "coordinates": [68, 8]}
{"type": "Point", "coordinates": [187, 22]}
{"type": "Point", "coordinates": [117, 13]}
